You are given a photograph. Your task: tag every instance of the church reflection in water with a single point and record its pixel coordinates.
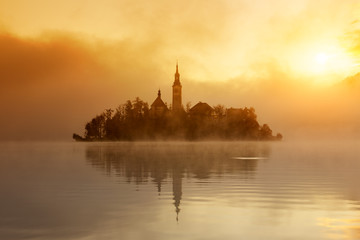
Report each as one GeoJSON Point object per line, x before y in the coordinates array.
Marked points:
{"type": "Point", "coordinates": [159, 162]}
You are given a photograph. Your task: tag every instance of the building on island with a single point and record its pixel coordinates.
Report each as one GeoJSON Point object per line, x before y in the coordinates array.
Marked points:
{"type": "Point", "coordinates": [201, 110]}
{"type": "Point", "coordinates": [158, 107]}
{"type": "Point", "coordinates": [233, 113]}
{"type": "Point", "coordinates": [177, 97]}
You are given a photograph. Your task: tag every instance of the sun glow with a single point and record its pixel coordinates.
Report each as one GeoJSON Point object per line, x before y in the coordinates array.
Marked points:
{"type": "Point", "coordinates": [322, 58]}
{"type": "Point", "coordinates": [324, 64]}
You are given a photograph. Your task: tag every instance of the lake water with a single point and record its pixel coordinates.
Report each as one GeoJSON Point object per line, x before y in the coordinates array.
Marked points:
{"type": "Point", "coordinates": [180, 190]}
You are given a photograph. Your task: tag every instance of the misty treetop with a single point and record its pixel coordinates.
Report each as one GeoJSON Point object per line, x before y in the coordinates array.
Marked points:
{"type": "Point", "coordinates": [134, 120]}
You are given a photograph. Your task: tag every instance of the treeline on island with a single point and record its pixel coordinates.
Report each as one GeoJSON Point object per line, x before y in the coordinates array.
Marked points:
{"type": "Point", "coordinates": [134, 120]}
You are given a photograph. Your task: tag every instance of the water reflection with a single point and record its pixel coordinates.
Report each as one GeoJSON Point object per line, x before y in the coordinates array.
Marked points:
{"type": "Point", "coordinates": [158, 162]}
{"type": "Point", "coordinates": [302, 190]}
{"type": "Point", "coordinates": [341, 228]}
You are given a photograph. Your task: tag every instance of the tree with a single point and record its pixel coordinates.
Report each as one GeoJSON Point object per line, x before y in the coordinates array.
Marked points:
{"type": "Point", "coordinates": [188, 107]}
{"type": "Point", "coordinates": [265, 132]}
{"type": "Point", "coordinates": [219, 111]}
{"type": "Point", "coordinates": [132, 121]}
{"type": "Point", "coordinates": [95, 129]}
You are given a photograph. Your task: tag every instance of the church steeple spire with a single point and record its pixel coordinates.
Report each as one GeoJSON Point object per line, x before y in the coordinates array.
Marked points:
{"type": "Point", "coordinates": [177, 103]}
{"type": "Point", "coordinates": [177, 75]}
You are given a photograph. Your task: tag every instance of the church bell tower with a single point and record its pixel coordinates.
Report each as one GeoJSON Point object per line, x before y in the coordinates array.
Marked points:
{"type": "Point", "coordinates": [176, 102]}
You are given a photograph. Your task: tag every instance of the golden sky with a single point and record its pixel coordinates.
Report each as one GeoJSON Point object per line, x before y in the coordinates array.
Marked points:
{"type": "Point", "coordinates": [62, 62]}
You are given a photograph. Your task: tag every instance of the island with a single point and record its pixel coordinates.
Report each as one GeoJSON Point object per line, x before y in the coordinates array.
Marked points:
{"type": "Point", "coordinates": [135, 120]}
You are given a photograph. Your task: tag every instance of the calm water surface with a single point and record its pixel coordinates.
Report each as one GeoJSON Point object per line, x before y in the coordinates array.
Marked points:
{"type": "Point", "coordinates": [180, 190]}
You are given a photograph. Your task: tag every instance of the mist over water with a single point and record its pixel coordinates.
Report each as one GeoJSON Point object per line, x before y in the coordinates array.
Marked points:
{"type": "Point", "coordinates": [180, 190]}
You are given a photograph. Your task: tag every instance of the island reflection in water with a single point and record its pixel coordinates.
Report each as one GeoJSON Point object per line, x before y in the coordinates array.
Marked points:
{"type": "Point", "coordinates": [157, 163]}
{"type": "Point", "coordinates": [180, 190]}
{"type": "Point", "coordinates": [302, 191]}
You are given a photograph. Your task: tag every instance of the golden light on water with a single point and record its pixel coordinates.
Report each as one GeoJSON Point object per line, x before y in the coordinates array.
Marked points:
{"type": "Point", "coordinates": [341, 228]}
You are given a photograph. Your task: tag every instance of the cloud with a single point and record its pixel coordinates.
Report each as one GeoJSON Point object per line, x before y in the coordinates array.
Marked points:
{"type": "Point", "coordinates": [29, 61]}
{"type": "Point", "coordinates": [51, 85]}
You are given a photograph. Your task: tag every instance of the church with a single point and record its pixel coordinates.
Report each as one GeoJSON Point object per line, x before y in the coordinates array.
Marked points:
{"type": "Point", "coordinates": [159, 108]}
{"type": "Point", "coordinates": [201, 121]}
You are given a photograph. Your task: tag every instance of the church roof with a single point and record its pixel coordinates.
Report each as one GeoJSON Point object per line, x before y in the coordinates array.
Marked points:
{"type": "Point", "coordinates": [158, 102]}
{"type": "Point", "coordinates": [201, 108]}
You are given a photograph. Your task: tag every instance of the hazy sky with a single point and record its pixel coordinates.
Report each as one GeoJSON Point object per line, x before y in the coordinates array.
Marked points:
{"type": "Point", "coordinates": [63, 62]}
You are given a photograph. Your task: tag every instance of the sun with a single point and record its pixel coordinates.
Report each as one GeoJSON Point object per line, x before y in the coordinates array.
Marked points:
{"type": "Point", "coordinates": [322, 58]}
{"type": "Point", "coordinates": [323, 63]}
